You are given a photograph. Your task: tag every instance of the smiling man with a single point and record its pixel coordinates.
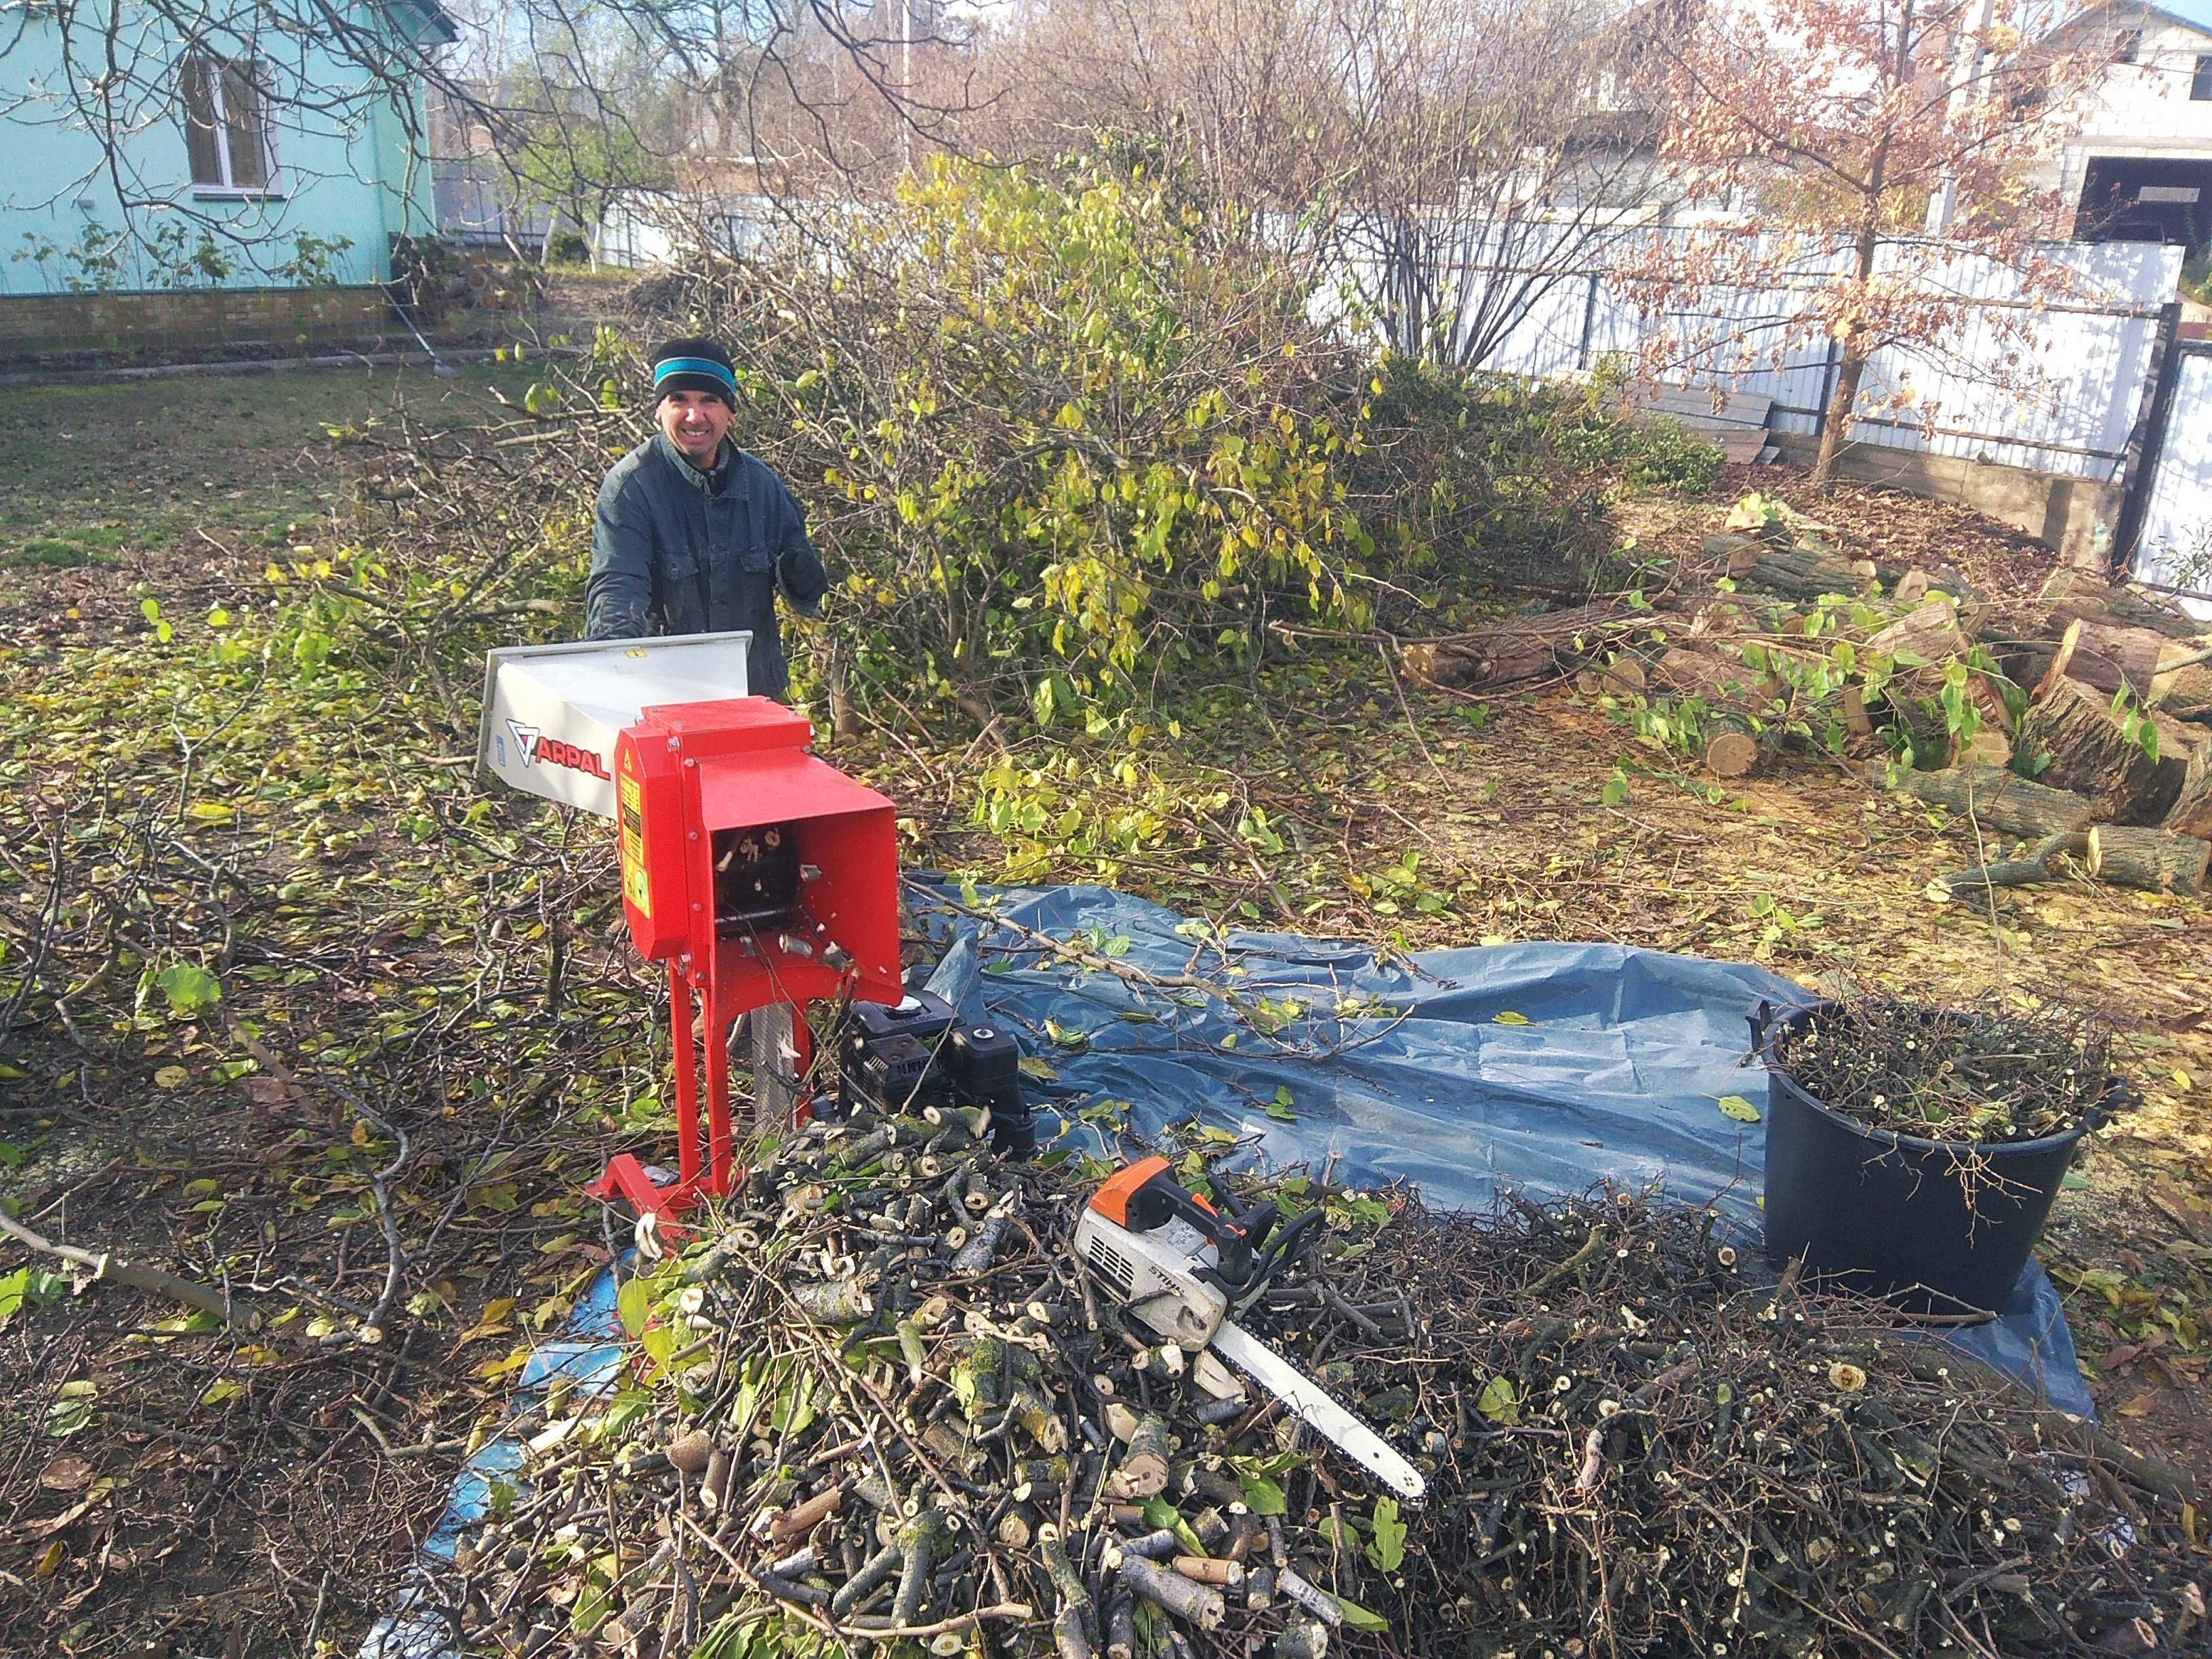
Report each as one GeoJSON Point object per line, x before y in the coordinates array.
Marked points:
{"type": "Point", "coordinates": [695, 535]}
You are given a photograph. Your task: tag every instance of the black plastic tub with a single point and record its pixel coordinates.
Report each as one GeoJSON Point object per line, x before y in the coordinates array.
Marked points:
{"type": "Point", "coordinates": [1932, 1226]}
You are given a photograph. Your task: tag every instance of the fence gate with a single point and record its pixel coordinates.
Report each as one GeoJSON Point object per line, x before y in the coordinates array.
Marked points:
{"type": "Point", "coordinates": [2175, 548]}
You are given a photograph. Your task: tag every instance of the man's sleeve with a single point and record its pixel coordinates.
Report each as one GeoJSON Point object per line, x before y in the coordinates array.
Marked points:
{"type": "Point", "coordinates": [798, 569]}
{"type": "Point", "coordinates": [619, 599]}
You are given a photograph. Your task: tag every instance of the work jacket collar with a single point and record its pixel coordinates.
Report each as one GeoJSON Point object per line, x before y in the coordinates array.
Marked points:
{"type": "Point", "coordinates": [707, 484]}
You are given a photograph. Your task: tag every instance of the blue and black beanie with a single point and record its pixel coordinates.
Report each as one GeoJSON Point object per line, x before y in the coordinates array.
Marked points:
{"type": "Point", "coordinates": [694, 364]}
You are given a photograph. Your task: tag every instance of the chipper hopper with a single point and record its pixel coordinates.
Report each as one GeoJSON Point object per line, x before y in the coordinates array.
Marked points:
{"type": "Point", "coordinates": [763, 877]}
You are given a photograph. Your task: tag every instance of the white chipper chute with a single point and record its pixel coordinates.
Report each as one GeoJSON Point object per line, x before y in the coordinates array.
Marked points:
{"type": "Point", "coordinates": [552, 713]}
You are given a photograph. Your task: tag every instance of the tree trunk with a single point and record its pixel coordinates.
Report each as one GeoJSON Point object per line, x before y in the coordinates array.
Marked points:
{"type": "Point", "coordinates": [2002, 800]}
{"type": "Point", "coordinates": [1801, 573]}
{"type": "Point", "coordinates": [1835, 426]}
{"type": "Point", "coordinates": [2156, 860]}
{"type": "Point", "coordinates": [1523, 648]}
{"type": "Point", "coordinates": [2191, 813]}
{"type": "Point", "coordinates": [2091, 752]}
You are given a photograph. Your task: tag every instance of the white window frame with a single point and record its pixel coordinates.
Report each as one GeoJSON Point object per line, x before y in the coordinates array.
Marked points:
{"type": "Point", "coordinates": [208, 64]}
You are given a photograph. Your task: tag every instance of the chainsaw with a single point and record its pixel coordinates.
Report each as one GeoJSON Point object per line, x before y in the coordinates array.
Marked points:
{"type": "Point", "coordinates": [1180, 1267]}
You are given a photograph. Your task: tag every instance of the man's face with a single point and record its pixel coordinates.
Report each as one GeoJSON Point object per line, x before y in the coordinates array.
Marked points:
{"type": "Point", "coordinates": [696, 423]}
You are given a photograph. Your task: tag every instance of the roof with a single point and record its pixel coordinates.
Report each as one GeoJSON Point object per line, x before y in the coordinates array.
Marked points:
{"type": "Point", "coordinates": [2128, 11]}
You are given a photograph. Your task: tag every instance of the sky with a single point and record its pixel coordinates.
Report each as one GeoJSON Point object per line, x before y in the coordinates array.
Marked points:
{"type": "Point", "coordinates": [2197, 11]}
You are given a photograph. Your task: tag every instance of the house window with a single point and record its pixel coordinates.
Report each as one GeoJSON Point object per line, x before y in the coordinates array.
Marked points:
{"type": "Point", "coordinates": [2125, 45]}
{"type": "Point", "coordinates": [2200, 84]}
{"type": "Point", "coordinates": [225, 133]}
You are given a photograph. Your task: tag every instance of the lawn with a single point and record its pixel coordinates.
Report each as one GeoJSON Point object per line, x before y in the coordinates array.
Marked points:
{"type": "Point", "coordinates": [105, 473]}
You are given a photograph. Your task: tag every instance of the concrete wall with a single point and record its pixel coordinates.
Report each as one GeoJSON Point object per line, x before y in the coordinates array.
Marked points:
{"type": "Point", "coordinates": [2076, 518]}
{"type": "Point", "coordinates": [347, 172]}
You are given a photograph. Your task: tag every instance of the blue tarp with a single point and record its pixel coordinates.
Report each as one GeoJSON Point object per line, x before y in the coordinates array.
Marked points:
{"type": "Point", "coordinates": [1548, 1068]}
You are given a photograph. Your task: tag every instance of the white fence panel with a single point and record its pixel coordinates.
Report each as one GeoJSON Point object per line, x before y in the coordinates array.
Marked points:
{"type": "Point", "coordinates": [2176, 549]}
{"type": "Point", "coordinates": [2090, 355]}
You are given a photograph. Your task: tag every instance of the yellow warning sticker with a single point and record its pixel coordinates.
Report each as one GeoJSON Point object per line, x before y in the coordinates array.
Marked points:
{"type": "Point", "coordinates": [637, 885]}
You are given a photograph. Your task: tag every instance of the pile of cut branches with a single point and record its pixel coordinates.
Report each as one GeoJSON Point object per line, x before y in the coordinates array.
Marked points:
{"type": "Point", "coordinates": [1990, 1073]}
{"type": "Point", "coordinates": [879, 1402]}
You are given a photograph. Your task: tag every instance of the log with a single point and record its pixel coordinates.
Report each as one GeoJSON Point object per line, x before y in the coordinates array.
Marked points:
{"type": "Point", "coordinates": [1987, 747]}
{"type": "Point", "coordinates": [1929, 631]}
{"type": "Point", "coordinates": [1685, 673]}
{"type": "Point", "coordinates": [2191, 812]}
{"type": "Point", "coordinates": [2106, 655]}
{"type": "Point", "coordinates": [2004, 801]}
{"type": "Point", "coordinates": [2077, 593]}
{"type": "Point", "coordinates": [2092, 753]}
{"type": "Point", "coordinates": [1523, 647]}
{"type": "Point", "coordinates": [2181, 682]}
{"type": "Point", "coordinates": [1731, 748]}
{"type": "Point", "coordinates": [1801, 573]}
{"type": "Point", "coordinates": [1620, 676]}
{"type": "Point", "coordinates": [2156, 860]}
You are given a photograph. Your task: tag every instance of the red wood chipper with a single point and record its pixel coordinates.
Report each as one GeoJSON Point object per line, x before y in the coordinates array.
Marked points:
{"type": "Point", "coordinates": [763, 877]}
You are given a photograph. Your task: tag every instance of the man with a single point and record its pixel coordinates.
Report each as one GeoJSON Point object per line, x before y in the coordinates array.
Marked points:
{"type": "Point", "coordinates": [696, 536]}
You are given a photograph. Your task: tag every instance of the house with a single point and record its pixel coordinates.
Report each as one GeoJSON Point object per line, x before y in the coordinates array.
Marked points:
{"type": "Point", "coordinates": [143, 162]}
{"type": "Point", "coordinates": [2137, 165]}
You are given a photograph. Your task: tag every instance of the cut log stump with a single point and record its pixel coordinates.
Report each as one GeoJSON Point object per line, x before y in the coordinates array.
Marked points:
{"type": "Point", "coordinates": [2156, 860]}
{"type": "Point", "coordinates": [2005, 801]}
{"type": "Point", "coordinates": [1731, 747]}
{"type": "Point", "coordinates": [2092, 753]}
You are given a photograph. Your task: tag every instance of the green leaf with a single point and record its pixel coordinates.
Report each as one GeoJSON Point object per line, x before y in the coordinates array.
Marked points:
{"type": "Point", "coordinates": [1279, 1107]}
{"type": "Point", "coordinates": [1737, 1107]}
{"type": "Point", "coordinates": [1262, 1496]}
{"type": "Point", "coordinates": [191, 989]}
{"type": "Point", "coordinates": [1388, 1549]}
{"type": "Point", "coordinates": [1361, 1618]}
{"type": "Point", "coordinates": [1507, 1016]}
{"type": "Point", "coordinates": [633, 1305]}
{"type": "Point", "coordinates": [1500, 1402]}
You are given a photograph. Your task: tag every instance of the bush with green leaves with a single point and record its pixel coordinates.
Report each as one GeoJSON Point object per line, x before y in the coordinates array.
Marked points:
{"type": "Point", "coordinates": [1063, 437]}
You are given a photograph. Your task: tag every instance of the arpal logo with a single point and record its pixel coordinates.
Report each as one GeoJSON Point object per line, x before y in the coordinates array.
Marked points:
{"type": "Point", "coordinates": [537, 747]}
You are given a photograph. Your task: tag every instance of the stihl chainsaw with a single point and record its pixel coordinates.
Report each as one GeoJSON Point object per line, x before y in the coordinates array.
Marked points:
{"type": "Point", "coordinates": [1178, 1265]}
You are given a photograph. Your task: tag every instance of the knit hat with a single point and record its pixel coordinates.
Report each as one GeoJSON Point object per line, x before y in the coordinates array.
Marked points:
{"type": "Point", "coordinates": [694, 364]}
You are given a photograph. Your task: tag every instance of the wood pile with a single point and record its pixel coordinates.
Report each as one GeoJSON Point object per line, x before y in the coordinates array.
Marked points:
{"type": "Point", "coordinates": [2095, 735]}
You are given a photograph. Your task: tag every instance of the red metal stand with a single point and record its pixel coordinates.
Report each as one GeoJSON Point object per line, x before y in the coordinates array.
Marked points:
{"type": "Point", "coordinates": [684, 772]}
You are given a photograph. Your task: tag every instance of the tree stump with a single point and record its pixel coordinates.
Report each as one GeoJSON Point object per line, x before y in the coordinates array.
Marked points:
{"type": "Point", "coordinates": [2156, 860]}
{"type": "Point", "coordinates": [2005, 801]}
{"type": "Point", "coordinates": [2092, 753]}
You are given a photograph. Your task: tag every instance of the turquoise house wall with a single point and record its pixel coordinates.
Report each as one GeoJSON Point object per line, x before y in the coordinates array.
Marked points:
{"type": "Point", "coordinates": [350, 172]}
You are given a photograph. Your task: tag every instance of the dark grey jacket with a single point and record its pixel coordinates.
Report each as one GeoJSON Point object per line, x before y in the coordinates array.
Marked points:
{"type": "Point", "coordinates": [676, 550]}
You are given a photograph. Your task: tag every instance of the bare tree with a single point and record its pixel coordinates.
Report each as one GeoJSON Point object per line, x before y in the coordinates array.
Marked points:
{"type": "Point", "coordinates": [1835, 126]}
